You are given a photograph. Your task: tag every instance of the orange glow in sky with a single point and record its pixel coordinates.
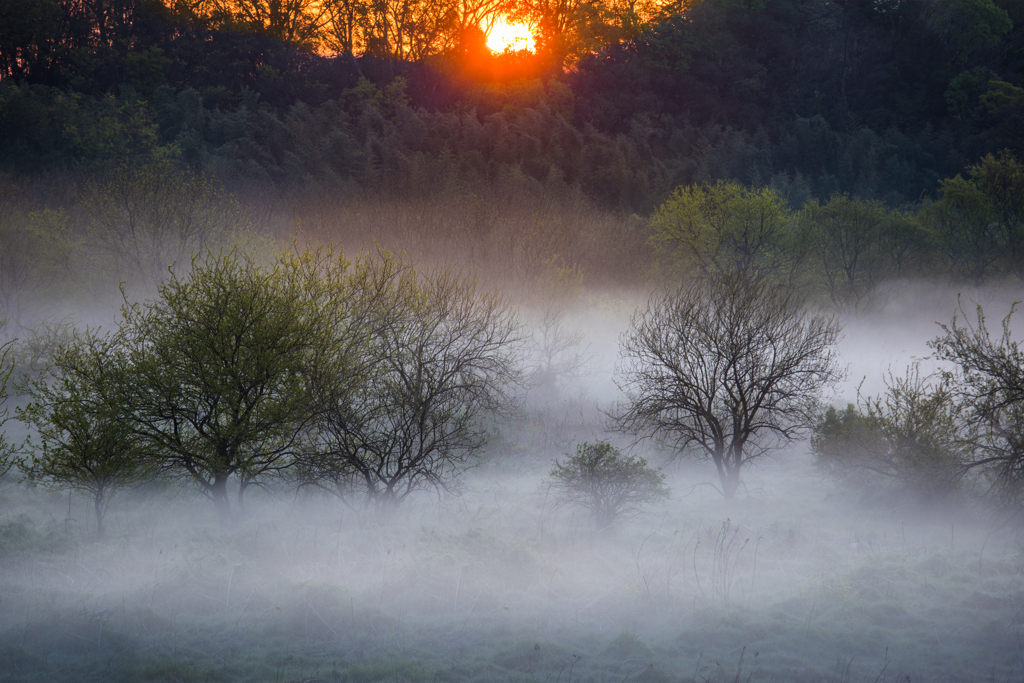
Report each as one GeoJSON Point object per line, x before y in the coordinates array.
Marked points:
{"type": "Point", "coordinates": [505, 36]}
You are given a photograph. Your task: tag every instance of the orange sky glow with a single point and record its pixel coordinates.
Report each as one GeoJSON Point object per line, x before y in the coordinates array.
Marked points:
{"type": "Point", "coordinates": [505, 36]}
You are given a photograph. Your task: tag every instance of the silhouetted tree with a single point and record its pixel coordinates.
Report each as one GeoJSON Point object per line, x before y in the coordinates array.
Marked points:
{"type": "Point", "coordinates": [725, 369]}
{"type": "Point", "coordinates": [441, 356]}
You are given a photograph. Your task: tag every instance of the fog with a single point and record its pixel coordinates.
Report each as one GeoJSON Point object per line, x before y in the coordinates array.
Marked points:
{"type": "Point", "coordinates": [797, 579]}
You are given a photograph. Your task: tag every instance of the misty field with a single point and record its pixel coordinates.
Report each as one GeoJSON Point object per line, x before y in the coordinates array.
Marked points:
{"type": "Point", "coordinates": [792, 581]}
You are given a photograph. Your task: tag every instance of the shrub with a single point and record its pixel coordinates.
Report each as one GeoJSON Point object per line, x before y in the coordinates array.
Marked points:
{"type": "Point", "coordinates": [911, 435]}
{"type": "Point", "coordinates": [599, 478]}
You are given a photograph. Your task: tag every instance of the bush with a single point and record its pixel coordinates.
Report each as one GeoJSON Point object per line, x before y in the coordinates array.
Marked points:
{"type": "Point", "coordinates": [599, 478]}
{"type": "Point", "coordinates": [911, 435]}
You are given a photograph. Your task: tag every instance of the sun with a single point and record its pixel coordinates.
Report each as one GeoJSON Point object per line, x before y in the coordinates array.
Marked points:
{"type": "Point", "coordinates": [513, 37]}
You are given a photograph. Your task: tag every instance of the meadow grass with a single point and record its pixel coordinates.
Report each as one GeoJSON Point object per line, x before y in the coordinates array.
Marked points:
{"type": "Point", "coordinates": [790, 582]}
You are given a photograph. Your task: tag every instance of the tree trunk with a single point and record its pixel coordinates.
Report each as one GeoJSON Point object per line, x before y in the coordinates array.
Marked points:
{"type": "Point", "coordinates": [730, 482]}
{"type": "Point", "coordinates": [728, 474]}
{"type": "Point", "coordinates": [219, 492]}
{"type": "Point", "coordinates": [97, 504]}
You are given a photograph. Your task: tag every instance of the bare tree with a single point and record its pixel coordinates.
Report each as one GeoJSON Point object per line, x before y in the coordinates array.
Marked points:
{"type": "Point", "coordinates": [726, 369]}
{"type": "Point", "coordinates": [440, 358]}
{"type": "Point", "coordinates": [145, 218]}
{"type": "Point", "coordinates": [989, 379]}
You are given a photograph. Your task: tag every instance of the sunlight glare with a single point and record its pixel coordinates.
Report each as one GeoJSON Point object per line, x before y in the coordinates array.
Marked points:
{"type": "Point", "coordinates": [505, 36]}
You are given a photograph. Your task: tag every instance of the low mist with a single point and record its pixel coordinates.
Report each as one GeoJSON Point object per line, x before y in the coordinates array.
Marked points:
{"type": "Point", "coordinates": [796, 579]}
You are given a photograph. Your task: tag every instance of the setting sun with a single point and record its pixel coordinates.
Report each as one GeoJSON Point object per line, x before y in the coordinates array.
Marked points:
{"type": "Point", "coordinates": [505, 36]}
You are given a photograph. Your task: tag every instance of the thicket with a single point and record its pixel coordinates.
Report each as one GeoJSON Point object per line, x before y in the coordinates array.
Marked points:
{"type": "Point", "coordinates": [912, 439]}
{"type": "Point", "coordinates": [936, 435]}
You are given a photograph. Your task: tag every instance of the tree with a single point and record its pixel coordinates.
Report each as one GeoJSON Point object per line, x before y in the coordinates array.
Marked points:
{"type": "Point", "coordinates": [980, 219]}
{"type": "Point", "coordinates": [147, 217]}
{"type": "Point", "coordinates": [440, 358]}
{"type": "Point", "coordinates": [221, 364]}
{"type": "Point", "coordinates": [30, 35]}
{"type": "Point", "coordinates": [6, 370]}
{"type": "Point", "coordinates": [989, 378]}
{"type": "Point", "coordinates": [86, 440]}
{"type": "Point", "coordinates": [294, 21]}
{"type": "Point", "coordinates": [726, 369]}
{"type": "Point", "coordinates": [555, 356]}
{"type": "Point", "coordinates": [724, 229]}
{"type": "Point", "coordinates": [38, 252]}
{"type": "Point", "coordinates": [849, 249]}
{"type": "Point", "coordinates": [599, 478]}
{"type": "Point", "coordinates": [1001, 180]}
{"type": "Point", "coordinates": [913, 434]}
{"type": "Point", "coordinates": [556, 410]}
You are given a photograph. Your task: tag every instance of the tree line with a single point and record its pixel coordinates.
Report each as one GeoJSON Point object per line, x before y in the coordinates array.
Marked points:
{"type": "Point", "coordinates": [371, 380]}
{"type": "Point", "coordinates": [846, 253]}
{"type": "Point", "coordinates": [754, 92]}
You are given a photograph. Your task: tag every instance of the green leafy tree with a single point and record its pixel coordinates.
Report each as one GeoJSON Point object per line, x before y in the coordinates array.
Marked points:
{"type": "Point", "coordinates": [980, 219]}
{"type": "Point", "coordinates": [913, 435]}
{"type": "Point", "coordinates": [967, 26]}
{"type": "Point", "coordinates": [86, 441]}
{"type": "Point", "coordinates": [963, 222]}
{"type": "Point", "coordinates": [725, 228]}
{"type": "Point", "coordinates": [726, 370]}
{"type": "Point", "coordinates": [610, 485]}
{"type": "Point", "coordinates": [1001, 180]}
{"type": "Point", "coordinates": [37, 256]}
{"type": "Point", "coordinates": [221, 365]}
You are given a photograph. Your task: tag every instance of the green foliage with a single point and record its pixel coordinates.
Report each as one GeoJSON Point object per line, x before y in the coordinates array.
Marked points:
{"type": "Point", "coordinates": [608, 484]}
{"type": "Point", "coordinates": [221, 364]}
{"type": "Point", "coordinates": [980, 219]}
{"type": "Point", "coordinates": [44, 127]}
{"type": "Point", "coordinates": [856, 245]}
{"type": "Point", "coordinates": [86, 440]}
{"type": "Point", "coordinates": [970, 25]}
{"type": "Point", "coordinates": [628, 646]}
{"type": "Point", "coordinates": [724, 229]}
{"type": "Point", "coordinates": [20, 535]}
{"type": "Point", "coordinates": [913, 435]}
{"type": "Point", "coordinates": [37, 258]}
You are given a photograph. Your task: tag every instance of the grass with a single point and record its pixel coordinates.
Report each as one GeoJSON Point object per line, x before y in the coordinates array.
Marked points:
{"type": "Point", "coordinates": [790, 583]}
